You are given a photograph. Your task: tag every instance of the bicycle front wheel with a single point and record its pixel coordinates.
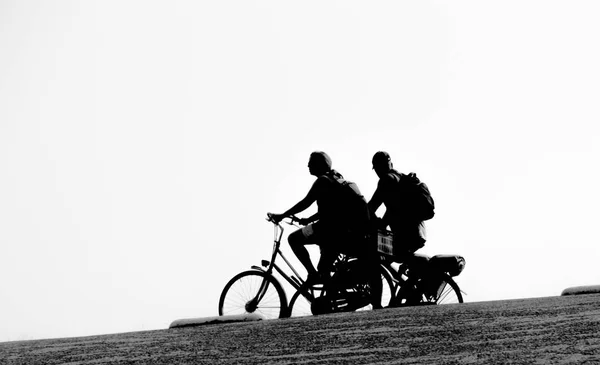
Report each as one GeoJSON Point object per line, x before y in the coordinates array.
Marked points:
{"type": "Point", "coordinates": [253, 291]}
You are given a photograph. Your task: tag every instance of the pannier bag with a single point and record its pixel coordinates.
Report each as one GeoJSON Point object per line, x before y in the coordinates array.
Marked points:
{"type": "Point", "coordinates": [452, 264]}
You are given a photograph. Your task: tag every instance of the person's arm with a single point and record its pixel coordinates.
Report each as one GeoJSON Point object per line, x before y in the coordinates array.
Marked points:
{"type": "Point", "coordinates": [309, 220]}
{"type": "Point", "coordinates": [302, 205]}
{"type": "Point", "coordinates": [376, 200]}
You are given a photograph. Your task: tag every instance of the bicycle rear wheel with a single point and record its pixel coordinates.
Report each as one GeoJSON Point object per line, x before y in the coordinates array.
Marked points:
{"type": "Point", "coordinates": [448, 291]}
{"type": "Point", "coordinates": [438, 288]}
{"type": "Point", "coordinates": [253, 291]}
{"type": "Point", "coordinates": [300, 306]}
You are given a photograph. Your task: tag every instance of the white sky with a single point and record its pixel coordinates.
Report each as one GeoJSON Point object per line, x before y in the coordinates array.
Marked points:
{"type": "Point", "coordinates": [142, 143]}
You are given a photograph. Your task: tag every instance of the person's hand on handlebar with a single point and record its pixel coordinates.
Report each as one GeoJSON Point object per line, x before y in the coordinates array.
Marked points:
{"type": "Point", "coordinates": [276, 217]}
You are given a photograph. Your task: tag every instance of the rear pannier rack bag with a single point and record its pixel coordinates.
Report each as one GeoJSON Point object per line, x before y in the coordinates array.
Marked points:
{"type": "Point", "coordinates": [452, 264]}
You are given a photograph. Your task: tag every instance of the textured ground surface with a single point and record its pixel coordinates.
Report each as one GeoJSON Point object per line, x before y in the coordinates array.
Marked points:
{"type": "Point", "coordinates": [554, 330]}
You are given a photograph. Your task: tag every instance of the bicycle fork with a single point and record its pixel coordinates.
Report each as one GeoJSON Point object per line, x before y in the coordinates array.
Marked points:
{"type": "Point", "coordinates": [252, 304]}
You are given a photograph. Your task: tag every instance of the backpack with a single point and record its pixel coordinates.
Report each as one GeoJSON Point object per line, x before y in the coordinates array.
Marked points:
{"type": "Point", "coordinates": [416, 197]}
{"type": "Point", "coordinates": [353, 209]}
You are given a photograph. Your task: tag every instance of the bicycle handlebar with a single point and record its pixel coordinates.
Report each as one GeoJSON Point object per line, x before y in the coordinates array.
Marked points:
{"type": "Point", "coordinates": [292, 218]}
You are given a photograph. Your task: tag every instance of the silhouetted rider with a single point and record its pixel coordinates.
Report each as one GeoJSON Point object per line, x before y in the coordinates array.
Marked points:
{"type": "Point", "coordinates": [408, 230]}
{"type": "Point", "coordinates": [329, 227]}
{"type": "Point", "coordinates": [322, 227]}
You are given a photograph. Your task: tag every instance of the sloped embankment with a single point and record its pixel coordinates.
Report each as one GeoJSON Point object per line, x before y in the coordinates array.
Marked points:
{"type": "Point", "coordinates": [540, 330]}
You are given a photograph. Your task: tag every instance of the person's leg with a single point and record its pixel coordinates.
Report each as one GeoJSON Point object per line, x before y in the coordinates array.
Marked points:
{"type": "Point", "coordinates": [297, 241]}
{"type": "Point", "coordinates": [364, 248]}
{"type": "Point", "coordinates": [369, 256]}
{"type": "Point", "coordinates": [328, 238]}
{"type": "Point", "coordinates": [407, 237]}
{"type": "Point", "coordinates": [328, 256]}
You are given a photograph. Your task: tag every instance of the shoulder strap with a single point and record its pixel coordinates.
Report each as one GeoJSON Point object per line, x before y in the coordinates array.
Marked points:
{"type": "Point", "coordinates": [335, 176]}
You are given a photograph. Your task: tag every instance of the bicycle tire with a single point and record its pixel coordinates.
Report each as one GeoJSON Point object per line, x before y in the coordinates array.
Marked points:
{"type": "Point", "coordinates": [239, 293]}
{"type": "Point", "coordinates": [446, 291]}
{"type": "Point", "coordinates": [449, 292]}
{"type": "Point", "coordinates": [387, 286]}
{"type": "Point", "coordinates": [300, 306]}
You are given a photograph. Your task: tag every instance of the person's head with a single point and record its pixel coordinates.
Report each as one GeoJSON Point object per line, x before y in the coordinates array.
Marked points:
{"type": "Point", "coordinates": [382, 163]}
{"type": "Point", "coordinates": [319, 163]}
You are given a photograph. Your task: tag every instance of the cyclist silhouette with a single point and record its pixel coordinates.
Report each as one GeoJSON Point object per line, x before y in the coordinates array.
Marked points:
{"type": "Point", "coordinates": [408, 230]}
{"type": "Point", "coordinates": [329, 228]}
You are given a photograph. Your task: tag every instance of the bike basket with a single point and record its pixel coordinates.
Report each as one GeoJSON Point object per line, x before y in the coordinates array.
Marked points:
{"type": "Point", "coordinates": [385, 240]}
{"type": "Point", "coordinates": [452, 264]}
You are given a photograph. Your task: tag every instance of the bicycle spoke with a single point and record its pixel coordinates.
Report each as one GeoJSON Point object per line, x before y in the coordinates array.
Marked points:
{"type": "Point", "coordinates": [448, 293]}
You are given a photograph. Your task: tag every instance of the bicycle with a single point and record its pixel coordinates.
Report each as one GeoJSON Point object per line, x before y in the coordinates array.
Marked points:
{"type": "Point", "coordinates": [420, 279]}
{"type": "Point", "coordinates": [258, 291]}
